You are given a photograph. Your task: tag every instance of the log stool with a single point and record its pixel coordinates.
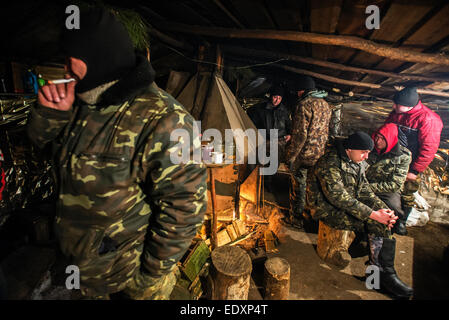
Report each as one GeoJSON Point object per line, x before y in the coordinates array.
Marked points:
{"type": "Point", "coordinates": [231, 273]}
{"type": "Point", "coordinates": [276, 279]}
{"type": "Point", "coordinates": [333, 245]}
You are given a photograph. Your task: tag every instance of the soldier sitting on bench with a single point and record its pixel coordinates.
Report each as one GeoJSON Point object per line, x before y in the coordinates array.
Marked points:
{"type": "Point", "coordinates": [340, 197]}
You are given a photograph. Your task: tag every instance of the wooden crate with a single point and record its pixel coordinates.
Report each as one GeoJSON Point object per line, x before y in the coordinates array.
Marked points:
{"type": "Point", "coordinates": [195, 260]}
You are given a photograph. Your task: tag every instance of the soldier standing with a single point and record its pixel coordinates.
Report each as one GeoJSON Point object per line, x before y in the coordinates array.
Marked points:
{"type": "Point", "coordinates": [388, 170]}
{"type": "Point", "coordinates": [340, 196]}
{"type": "Point", "coordinates": [310, 132]}
{"type": "Point", "coordinates": [419, 130]}
{"type": "Point", "coordinates": [126, 214]}
{"type": "Point", "coordinates": [273, 114]}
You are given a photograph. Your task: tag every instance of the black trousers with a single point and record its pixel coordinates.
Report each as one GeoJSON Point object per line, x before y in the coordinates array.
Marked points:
{"type": "Point", "coordinates": [393, 201]}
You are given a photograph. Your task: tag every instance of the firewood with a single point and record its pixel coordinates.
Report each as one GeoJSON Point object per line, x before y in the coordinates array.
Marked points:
{"type": "Point", "coordinates": [231, 232]}
{"type": "Point", "coordinates": [223, 238]}
{"type": "Point", "coordinates": [239, 227]}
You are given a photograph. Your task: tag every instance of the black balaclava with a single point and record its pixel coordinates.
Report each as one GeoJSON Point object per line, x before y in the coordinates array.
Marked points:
{"type": "Point", "coordinates": [103, 43]}
{"type": "Point", "coordinates": [407, 97]}
{"type": "Point", "coordinates": [359, 141]}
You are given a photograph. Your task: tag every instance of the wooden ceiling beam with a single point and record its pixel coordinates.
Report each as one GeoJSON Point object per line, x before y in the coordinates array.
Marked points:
{"type": "Point", "coordinates": [269, 15]}
{"type": "Point", "coordinates": [328, 64]}
{"type": "Point", "coordinates": [426, 18]}
{"type": "Point", "coordinates": [345, 41]}
{"type": "Point", "coordinates": [355, 83]}
{"type": "Point", "coordinates": [228, 14]}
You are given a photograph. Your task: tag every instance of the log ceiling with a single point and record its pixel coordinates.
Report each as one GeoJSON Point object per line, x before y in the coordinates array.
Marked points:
{"type": "Point", "coordinates": [302, 32]}
{"type": "Point", "coordinates": [420, 27]}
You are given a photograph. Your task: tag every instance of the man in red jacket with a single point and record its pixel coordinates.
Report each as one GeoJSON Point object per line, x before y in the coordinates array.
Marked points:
{"type": "Point", "coordinates": [419, 130]}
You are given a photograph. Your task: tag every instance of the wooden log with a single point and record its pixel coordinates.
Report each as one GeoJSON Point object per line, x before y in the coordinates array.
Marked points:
{"type": "Point", "coordinates": [276, 279]}
{"type": "Point", "coordinates": [328, 64]}
{"type": "Point", "coordinates": [333, 245]}
{"type": "Point", "coordinates": [231, 272]}
{"type": "Point", "coordinates": [228, 13]}
{"type": "Point", "coordinates": [329, 40]}
{"type": "Point", "coordinates": [433, 93]}
{"type": "Point", "coordinates": [330, 78]}
{"type": "Point", "coordinates": [169, 40]}
{"type": "Point", "coordinates": [356, 83]}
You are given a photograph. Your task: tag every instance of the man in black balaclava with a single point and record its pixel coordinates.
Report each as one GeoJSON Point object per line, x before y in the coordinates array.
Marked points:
{"type": "Point", "coordinates": [127, 212]}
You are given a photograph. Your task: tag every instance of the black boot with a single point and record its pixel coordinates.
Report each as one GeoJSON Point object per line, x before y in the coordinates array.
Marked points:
{"type": "Point", "coordinates": [400, 228]}
{"type": "Point", "coordinates": [388, 277]}
{"type": "Point", "coordinates": [400, 225]}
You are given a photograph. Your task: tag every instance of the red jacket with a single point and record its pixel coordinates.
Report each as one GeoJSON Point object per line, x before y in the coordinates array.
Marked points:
{"type": "Point", "coordinates": [429, 126]}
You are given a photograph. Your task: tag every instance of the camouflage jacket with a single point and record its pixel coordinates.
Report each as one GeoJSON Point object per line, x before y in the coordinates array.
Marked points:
{"type": "Point", "coordinates": [339, 185]}
{"type": "Point", "coordinates": [387, 172]}
{"type": "Point", "coordinates": [310, 132]}
{"type": "Point", "coordinates": [123, 204]}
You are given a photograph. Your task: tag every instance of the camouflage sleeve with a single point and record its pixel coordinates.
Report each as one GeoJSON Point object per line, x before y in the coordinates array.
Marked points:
{"type": "Point", "coordinates": [330, 179]}
{"type": "Point", "coordinates": [178, 196]}
{"type": "Point", "coordinates": [398, 180]}
{"type": "Point", "coordinates": [45, 124]}
{"type": "Point", "coordinates": [300, 126]}
{"type": "Point", "coordinates": [368, 197]}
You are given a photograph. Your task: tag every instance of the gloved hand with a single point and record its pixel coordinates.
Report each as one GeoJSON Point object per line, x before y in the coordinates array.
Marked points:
{"type": "Point", "coordinates": [145, 287]}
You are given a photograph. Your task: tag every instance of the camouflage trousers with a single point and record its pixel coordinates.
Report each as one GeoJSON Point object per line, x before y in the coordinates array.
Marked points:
{"type": "Point", "coordinates": [145, 287]}
{"type": "Point", "coordinates": [297, 195]}
{"type": "Point", "coordinates": [410, 187]}
{"type": "Point", "coordinates": [344, 221]}
{"type": "Point", "coordinates": [375, 245]}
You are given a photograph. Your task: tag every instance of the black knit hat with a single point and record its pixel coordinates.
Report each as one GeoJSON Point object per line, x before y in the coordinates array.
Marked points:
{"type": "Point", "coordinates": [304, 83]}
{"type": "Point", "coordinates": [277, 91]}
{"type": "Point", "coordinates": [359, 141]}
{"type": "Point", "coordinates": [103, 43]}
{"type": "Point", "coordinates": [407, 97]}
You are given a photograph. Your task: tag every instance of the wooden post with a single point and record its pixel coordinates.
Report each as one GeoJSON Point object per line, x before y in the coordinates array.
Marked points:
{"type": "Point", "coordinates": [214, 204]}
{"type": "Point", "coordinates": [220, 63]}
{"type": "Point", "coordinates": [231, 273]}
{"type": "Point", "coordinates": [277, 279]}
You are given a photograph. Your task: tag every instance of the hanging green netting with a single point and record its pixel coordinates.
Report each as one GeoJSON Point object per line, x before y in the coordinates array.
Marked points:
{"type": "Point", "coordinates": [132, 21]}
